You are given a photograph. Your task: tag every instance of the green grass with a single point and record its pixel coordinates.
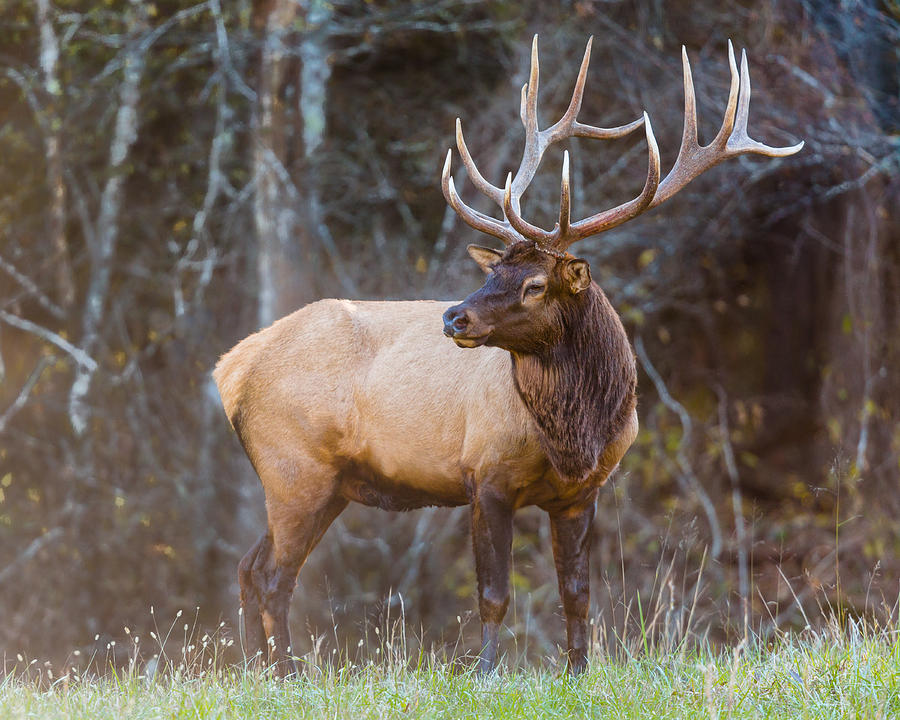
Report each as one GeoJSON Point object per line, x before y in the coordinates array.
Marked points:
{"type": "Point", "coordinates": [831, 674]}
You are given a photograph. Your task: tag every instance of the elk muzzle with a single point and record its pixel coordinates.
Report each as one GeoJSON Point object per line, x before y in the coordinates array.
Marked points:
{"type": "Point", "coordinates": [463, 325]}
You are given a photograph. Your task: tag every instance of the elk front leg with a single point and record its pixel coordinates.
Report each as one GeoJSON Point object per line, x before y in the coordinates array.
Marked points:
{"type": "Point", "coordinates": [492, 541]}
{"type": "Point", "coordinates": [571, 533]}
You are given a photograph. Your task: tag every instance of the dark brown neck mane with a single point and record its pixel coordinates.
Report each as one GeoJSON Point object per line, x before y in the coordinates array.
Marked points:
{"type": "Point", "coordinates": [581, 390]}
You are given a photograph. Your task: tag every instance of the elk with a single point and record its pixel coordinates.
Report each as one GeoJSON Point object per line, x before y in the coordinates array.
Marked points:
{"type": "Point", "coordinates": [345, 401]}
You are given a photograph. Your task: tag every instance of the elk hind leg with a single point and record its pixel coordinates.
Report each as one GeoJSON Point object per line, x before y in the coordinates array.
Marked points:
{"type": "Point", "coordinates": [294, 534]}
{"type": "Point", "coordinates": [254, 640]}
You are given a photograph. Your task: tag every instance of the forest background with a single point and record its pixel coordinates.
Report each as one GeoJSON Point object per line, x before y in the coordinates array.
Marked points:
{"type": "Point", "coordinates": [176, 174]}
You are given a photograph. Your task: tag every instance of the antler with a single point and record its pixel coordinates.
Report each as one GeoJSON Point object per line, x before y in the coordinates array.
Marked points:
{"type": "Point", "coordinates": [732, 140]}
{"type": "Point", "coordinates": [536, 142]}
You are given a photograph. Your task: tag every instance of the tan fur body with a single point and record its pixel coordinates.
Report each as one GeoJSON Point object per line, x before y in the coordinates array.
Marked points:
{"type": "Point", "coordinates": [368, 401]}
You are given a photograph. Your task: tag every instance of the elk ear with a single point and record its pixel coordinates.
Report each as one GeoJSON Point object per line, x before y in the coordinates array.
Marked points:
{"type": "Point", "coordinates": [485, 257]}
{"type": "Point", "coordinates": [578, 274]}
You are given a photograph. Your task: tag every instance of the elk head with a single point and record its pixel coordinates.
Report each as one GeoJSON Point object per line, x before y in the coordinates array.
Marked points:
{"type": "Point", "coordinates": [519, 308]}
{"type": "Point", "coordinates": [532, 284]}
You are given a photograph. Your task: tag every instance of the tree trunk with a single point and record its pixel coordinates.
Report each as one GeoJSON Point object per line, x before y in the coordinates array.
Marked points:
{"type": "Point", "coordinates": [283, 280]}
{"type": "Point", "coordinates": [56, 212]}
{"type": "Point", "coordinates": [106, 231]}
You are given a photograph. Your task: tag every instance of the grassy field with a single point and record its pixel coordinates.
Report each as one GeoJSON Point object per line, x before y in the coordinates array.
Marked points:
{"type": "Point", "coordinates": [854, 673]}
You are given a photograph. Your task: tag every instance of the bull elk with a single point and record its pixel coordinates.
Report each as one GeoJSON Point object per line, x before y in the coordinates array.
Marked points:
{"type": "Point", "coordinates": [346, 401]}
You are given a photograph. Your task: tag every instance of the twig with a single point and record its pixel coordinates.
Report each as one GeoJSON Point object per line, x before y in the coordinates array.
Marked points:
{"type": "Point", "coordinates": [681, 456]}
{"type": "Point", "coordinates": [80, 356]}
{"type": "Point", "coordinates": [216, 180]}
{"type": "Point", "coordinates": [324, 234]}
{"type": "Point", "coordinates": [30, 286]}
{"type": "Point", "coordinates": [33, 548]}
{"type": "Point", "coordinates": [22, 398]}
{"type": "Point", "coordinates": [736, 505]}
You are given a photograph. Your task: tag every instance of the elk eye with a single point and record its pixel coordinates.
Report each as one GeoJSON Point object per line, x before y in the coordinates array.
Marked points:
{"type": "Point", "coordinates": [535, 288]}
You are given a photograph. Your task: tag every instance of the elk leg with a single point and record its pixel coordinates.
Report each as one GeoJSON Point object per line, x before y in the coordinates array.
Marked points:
{"type": "Point", "coordinates": [492, 541]}
{"type": "Point", "coordinates": [254, 641]}
{"type": "Point", "coordinates": [571, 534]}
{"type": "Point", "coordinates": [293, 539]}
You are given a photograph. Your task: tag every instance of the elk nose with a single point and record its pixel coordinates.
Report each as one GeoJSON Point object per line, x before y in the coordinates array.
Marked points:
{"type": "Point", "coordinates": [456, 320]}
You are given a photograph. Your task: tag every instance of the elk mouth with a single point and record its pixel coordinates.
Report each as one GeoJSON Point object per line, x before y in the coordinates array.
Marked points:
{"type": "Point", "coordinates": [468, 341]}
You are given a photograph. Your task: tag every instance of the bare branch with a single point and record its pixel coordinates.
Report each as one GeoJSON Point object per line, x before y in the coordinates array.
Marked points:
{"type": "Point", "coordinates": [216, 180]}
{"type": "Point", "coordinates": [80, 356]}
{"type": "Point", "coordinates": [683, 462]}
{"type": "Point", "coordinates": [107, 226]}
{"type": "Point", "coordinates": [740, 529]}
{"type": "Point", "coordinates": [22, 397]}
{"type": "Point", "coordinates": [56, 213]}
{"type": "Point", "coordinates": [328, 243]}
{"type": "Point", "coordinates": [34, 547]}
{"type": "Point", "coordinates": [31, 288]}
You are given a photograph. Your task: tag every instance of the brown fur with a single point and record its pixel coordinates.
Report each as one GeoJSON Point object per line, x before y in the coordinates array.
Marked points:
{"type": "Point", "coordinates": [572, 364]}
{"type": "Point", "coordinates": [581, 389]}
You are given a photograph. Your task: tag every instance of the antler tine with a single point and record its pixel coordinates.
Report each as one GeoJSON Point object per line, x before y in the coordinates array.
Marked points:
{"type": "Point", "coordinates": [568, 125]}
{"type": "Point", "coordinates": [519, 224]}
{"type": "Point", "coordinates": [529, 109]}
{"type": "Point", "coordinates": [477, 220]}
{"type": "Point", "coordinates": [492, 191]}
{"type": "Point", "coordinates": [609, 219]}
{"type": "Point", "coordinates": [534, 141]}
{"type": "Point", "coordinates": [565, 233]}
{"type": "Point", "coordinates": [565, 199]}
{"type": "Point", "coordinates": [731, 140]}
{"type": "Point", "coordinates": [728, 119]}
{"type": "Point", "coordinates": [739, 141]}
{"type": "Point", "coordinates": [569, 116]}
{"type": "Point", "coordinates": [689, 133]}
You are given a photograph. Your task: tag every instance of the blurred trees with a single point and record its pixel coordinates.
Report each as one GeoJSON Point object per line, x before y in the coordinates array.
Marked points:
{"type": "Point", "coordinates": [177, 173]}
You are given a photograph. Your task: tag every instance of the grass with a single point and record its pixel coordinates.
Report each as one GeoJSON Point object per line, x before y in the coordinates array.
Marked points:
{"type": "Point", "coordinates": [832, 673]}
